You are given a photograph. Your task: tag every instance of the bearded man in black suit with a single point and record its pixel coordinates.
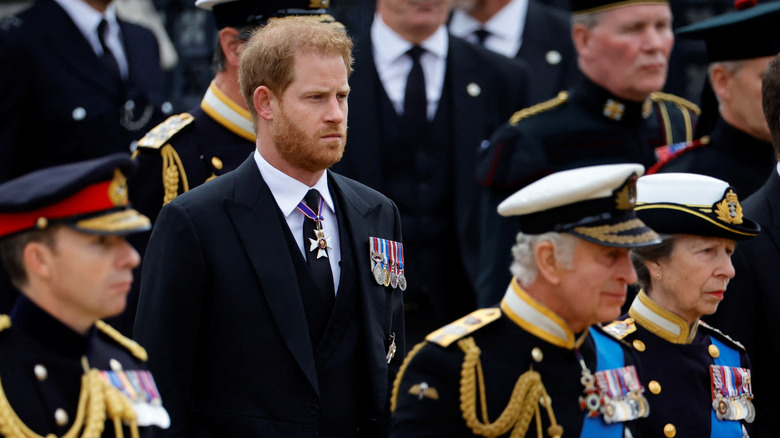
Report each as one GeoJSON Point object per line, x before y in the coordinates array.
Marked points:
{"type": "Point", "coordinates": [260, 300]}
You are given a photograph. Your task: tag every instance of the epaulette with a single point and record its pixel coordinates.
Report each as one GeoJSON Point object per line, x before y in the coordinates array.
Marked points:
{"type": "Point", "coordinates": [620, 329]}
{"type": "Point", "coordinates": [130, 345]}
{"type": "Point", "coordinates": [463, 326]}
{"type": "Point", "coordinates": [665, 154]}
{"type": "Point", "coordinates": [160, 134]}
{"type": "Point", "coordinates": [720, 335]}
{"type": "Point", "coordinates": [558, 100]}
{"type": "Point", "coordinates": [658, 96]}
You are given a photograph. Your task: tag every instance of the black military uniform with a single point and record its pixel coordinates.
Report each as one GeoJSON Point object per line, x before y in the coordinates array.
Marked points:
{"type": "Point", "coordinates": [675, 367]}
{"type": "Point", "coordinates": [54, 380]}
{"type": "Point", "coordinates": [729, 153]}
{"type": "Point", "coordinates": [492, 372]}
{"type": "Point", "coordinates": [584, 126]}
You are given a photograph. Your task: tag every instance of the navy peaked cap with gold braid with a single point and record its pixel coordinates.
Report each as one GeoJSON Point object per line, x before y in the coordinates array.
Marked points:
{"type": "Point", "coordinates": [593, 6]}
{"type": "Point", "coordinates": [89, 196]}
{"type": "Point", "coordinates": [686, 203]}
{"type": "Point", "coordinates": [240, 13]}
{"type": "Point", "coordinates": [594, 203]}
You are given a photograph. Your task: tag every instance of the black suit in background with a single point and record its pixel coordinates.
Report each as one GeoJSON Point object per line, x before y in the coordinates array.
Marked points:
{"type": "Point", "coordinates": [222, 316]}
{"type": "Point", "coordinates": [548, 50]}
{"type": "Point", "coordinates": [750, 308]}
{"type": "Point", "coordinates": [58, 105]}
{"type": "Point", "coordinates": [432, 178]}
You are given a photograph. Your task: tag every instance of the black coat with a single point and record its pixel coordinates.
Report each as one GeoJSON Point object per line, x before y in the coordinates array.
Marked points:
{"type": "Point", "coordinates": [749, 310]}
{"type": "Point", "coordinates": [43, 369]}
{"type": "Point", "coordinates": [58, 106]}
{"type": "Point", "coordinates": [222, 316]}
{"type": "Point", "coordinates": [502, 86]}
{"type": "Point", "coordinates": [731, 155]}
{"type": "Point", "coordinates": [567, 132]}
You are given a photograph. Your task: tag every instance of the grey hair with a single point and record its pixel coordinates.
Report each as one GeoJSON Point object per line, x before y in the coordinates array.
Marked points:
{"type": "Point", "coordinates": [524, 266]}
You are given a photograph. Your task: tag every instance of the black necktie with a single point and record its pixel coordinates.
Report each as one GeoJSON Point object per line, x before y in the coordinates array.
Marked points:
{"type": "Point", "coordinates": [108, 59]}
{"type": "Point", "coordinates": [322, 302]}
{"type": "Point", "coordinates": [481, 35]}
{"type": "Point", "coordinates": [415, 101]}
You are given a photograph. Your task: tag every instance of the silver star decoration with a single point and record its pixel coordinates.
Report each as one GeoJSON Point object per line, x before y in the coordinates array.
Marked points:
{"type": "Point", "coordinates": [322, 242]}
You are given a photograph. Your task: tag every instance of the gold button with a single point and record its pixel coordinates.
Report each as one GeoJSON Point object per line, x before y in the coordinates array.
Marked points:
{"type": "Point", "coordinates": [41, 223]}
{"type": "Point", "coordinates": [537, 354]}
{"type": "Point", "coordinates": [713, 350]}
{"type": "Point", "coordinates": [217, 163]}
{"type": "Point", "coordinates": [639, 345]}
{"type": "Point", "coordinates": [670, 431]}
{"type": "Point", "coordinates": [41, 372]}
{"type": "Point", "coordinates": [654, 387]}
{"type": "Point", "coordinates": [61, 417]}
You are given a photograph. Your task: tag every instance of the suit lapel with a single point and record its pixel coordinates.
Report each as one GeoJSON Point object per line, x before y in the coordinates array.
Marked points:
{"type": "Point", "coordinates": [770, 191]}
{"type": "Point", "coordinates": [362, 222]}
{"type": "Point", "coordinates": [364, 123]}
{"type": "Point", "coordinates": [258, 222]}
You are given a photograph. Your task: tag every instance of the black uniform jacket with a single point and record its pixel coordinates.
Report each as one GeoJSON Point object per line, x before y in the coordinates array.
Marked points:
{"type": "Point", "coordinates": [750, 307]}
{"type": "Point", "coordinates": [675, 369]}
{"type": "Point", "coordinates": [729, 154]}
{"type": "Point", "coordinates": [57, 105]}
{"type": "Point", "coordinates": [584, 126]}
{"type": "Point", "coordinates": [522, 335]}
{"type": "Point", "coordinates": [42, 368]}
{"type": "Point", "coordinates": [486, 88]}
{"type": "Point", "coordinates": [222, 316]}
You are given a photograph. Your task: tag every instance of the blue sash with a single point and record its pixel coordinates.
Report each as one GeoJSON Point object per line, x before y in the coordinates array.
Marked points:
{"type": "Point", "coordinates": [725, 428]}
{"type": "Point", "coordinates": [609, 355]}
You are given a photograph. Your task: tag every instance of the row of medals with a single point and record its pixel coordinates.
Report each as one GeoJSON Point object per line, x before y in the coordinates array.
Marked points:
{"type": "Point", "coordinates": [385, 277]}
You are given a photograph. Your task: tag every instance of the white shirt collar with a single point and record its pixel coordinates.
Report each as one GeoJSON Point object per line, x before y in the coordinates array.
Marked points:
{"type": "Point", "coordinates": [288, 191]}
{"type": "Point", "coordinates": [505, 27]}
{"type": "Point", "coordinates": [389, 45]}
{"type": "Point", "coordinates": [87, 19]}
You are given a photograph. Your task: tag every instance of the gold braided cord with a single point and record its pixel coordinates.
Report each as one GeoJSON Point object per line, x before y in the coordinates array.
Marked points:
{"type": "Point", "coordinates": [97, 400]}
{"type": "Point", "coordinates": [523, 406]}
{"type": "Point", "coordinates": [134, 347]}
{"type": "Point", "coordinates": [558, 100]}
{"type": "Point", "coordinates": [400, 375]}
{"type": "Point", "coordinates": [172, 173]}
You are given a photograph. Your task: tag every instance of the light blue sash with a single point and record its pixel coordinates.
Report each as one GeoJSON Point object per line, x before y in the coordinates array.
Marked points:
{"type": "Point", "coordinates": [609, 355]}
{"type": "Point", "coordinates": [728, 357]}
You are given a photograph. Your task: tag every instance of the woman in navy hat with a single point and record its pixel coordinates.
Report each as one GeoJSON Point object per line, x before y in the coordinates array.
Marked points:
{"type": "Point", "coordinates": [698, 379]}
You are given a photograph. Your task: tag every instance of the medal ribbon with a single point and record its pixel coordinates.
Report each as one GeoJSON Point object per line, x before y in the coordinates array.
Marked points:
{"type": "Point", "coordinates": [608, 356]}
{"type": "Point", "coordinates": [309, 213]}
{"type": "Point", "coordinates": [728, 357]}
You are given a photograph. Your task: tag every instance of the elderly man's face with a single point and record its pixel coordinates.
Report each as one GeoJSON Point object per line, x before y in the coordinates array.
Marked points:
{"type": "Point", "coordinates": [595, 288]}
{"type": "Point", "coordinates": [628, 51]}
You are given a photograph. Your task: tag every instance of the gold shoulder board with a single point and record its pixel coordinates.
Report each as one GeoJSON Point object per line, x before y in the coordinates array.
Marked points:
{"type": "Point", "coordinates": [464, 326]}
{"type": "Point", "coordinates": [620, 329]}
{"type": "Point", "coordinates": [160, 134]}
{"type": "Point", "coordinates": [658, 96]}
{"type": "Point", "coordinates": [130, 345]}
{"type": "Point", "coordinates": [720, 335]}
{"type": "Point", "coordinates": [558, 100]}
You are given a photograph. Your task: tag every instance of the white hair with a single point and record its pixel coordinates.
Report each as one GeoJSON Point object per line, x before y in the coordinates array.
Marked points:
{"type": "Point", "coordinates": [524, 266]}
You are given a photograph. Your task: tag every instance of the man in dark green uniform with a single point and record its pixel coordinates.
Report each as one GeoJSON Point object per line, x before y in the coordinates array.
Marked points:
{"type": "Point", "coordinates": [740, 45]}
{"type": "Point", "coordinates": [614, 114]}
{"type": "Point", "coordinates": [491, 372]}
{"type": "Point", "coordinates": [65, 372]}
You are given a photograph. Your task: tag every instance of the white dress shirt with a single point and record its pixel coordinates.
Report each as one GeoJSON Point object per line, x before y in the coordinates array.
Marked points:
{"type": "Point", "coordinates": [505, 27]}
{"type": "Point", "coordinates": [288, 192]}
{"type": "Point", "coordinates": [87, 20]}
{"type": "Point", "coordinates": [393, 65]}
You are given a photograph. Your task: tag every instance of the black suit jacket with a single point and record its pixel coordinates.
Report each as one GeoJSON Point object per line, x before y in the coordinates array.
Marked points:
{"type": "Point", "coordinates": [57, 106]}
{"type": "Point", "coordinates": [221, 313]}
{"type": "Point", "coordinates": [547, 31]}
{"type": "Point", "coordinates": [749, 310]}
{"type": "Point", "coordinates": [502, 89]}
